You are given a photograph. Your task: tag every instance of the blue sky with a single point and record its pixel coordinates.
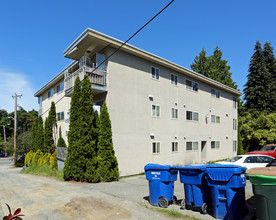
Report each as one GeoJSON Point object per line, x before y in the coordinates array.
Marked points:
{"type": "Point", "coordinates": [34, 34]}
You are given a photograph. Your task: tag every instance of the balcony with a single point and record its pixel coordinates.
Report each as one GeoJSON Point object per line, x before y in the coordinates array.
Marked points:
{"type": "Point", "coordinates": [97, 78]}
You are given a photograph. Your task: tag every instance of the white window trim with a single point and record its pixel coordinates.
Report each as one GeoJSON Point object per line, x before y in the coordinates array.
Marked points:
{"type": "Point", "coordinates": [192, 146]}
{"type": "Point", "coordinates": [155, 74]}
{"type": "Point", "coordinates": [60, 90]}
{"type": "Point", "coordinates": [192, 116]}
{"type": "Point", "coordinates": [173, 83]}
{"type": "Point", "coordinates": [155, 116]}
{"type": "Point", "coordinates": [156, 146]}
{"type": "Point", "coordinates": [235, 102]}
{"type": "Point", "coordinates": [235, 146]}
{"type": "Point", "coordinates": [50, 91]}
{"type": "Point", "coordinates": [235, 124]}
{"type": "Point", "coordinates": [172, 143]}
{"type": "Point", "coordinates": [216, 148]}
{"type": "Point", "coordinates": [215, 96]}
{"type": "Point", "coordinates": [191, 89]}
{"type": "Point", "coordinates": [174, 109]}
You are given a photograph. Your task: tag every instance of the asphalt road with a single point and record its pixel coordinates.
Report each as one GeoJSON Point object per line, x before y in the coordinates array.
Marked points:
{"type": "Point", "coordinates": [45, 198]}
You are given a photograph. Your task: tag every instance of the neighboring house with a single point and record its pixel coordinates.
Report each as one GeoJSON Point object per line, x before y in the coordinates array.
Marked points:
{"type": "Point", "coordinates": [160, 112]}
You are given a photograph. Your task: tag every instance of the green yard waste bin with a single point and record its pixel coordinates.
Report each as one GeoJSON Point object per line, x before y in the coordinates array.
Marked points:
{"type": "Point", "coordinates": [264, 188]}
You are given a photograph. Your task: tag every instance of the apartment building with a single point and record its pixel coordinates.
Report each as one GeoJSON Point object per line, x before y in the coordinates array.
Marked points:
{"type": "Point", "coordinates": [160, 112]}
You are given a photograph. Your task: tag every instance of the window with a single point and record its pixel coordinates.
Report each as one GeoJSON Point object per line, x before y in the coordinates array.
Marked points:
{"type": "Point", "coordinates": [60, 116]}
{"type": "Point", "coordinates": [250, 160]}
{"type": "Point", "coordinates": [191, 116]}
{"type": "Point", "coordinates": [174, 79]}
{"type": "Point", "coordinates": [156, 147]}
{"type": "Point", "coordinates": [60, 87]}
{"type": "Point", "coordinates": [174, 113]}
{"type": "Point", "coordinates": [234, 146]}
{"type": "Point", "coordinates": [192, 85]}
{"type": "Point", "coordinates": [191, 145]}
{"type": "Point", "coordinates": [155, 111]}
{"type": "Point", "coordinates": [154, 73]}
{"type": "Point", "coordinates": [234, 102]}
{"type": "Point", "coordinates": [215, 144]}
{"type": "Point", "coordinates": [215, 93]}
{"type": "Point", "coordinates": [51, 93]}
{"type": "Point", "coordinates": [174, 146]}
{"type": "Point", "coordinates": [234, 124]}
{"type": "Point", "coordinates": [40, 102]}
{"type": "Point", "coordinates": [215, 119]}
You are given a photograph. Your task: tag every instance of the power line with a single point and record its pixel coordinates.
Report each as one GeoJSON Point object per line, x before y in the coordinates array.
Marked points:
{"type": "Point", "coordinates": [121, 45]}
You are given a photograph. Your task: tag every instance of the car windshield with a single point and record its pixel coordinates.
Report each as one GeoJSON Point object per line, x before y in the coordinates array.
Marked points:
{"type": "Point", "coordinates": [268, 148]}
{"type": "Point", "coordinates": [234, 159]}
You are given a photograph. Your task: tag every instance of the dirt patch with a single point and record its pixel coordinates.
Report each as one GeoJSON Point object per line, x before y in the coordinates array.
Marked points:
{"type": "Point", "coordinates": [92, 208]}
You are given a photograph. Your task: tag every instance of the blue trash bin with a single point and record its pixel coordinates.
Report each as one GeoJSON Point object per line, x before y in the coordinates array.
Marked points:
{"type": "Point", "coordinates": [227, 186]}
{"type": "Point", "coordinates": [161, 184]}
{"type": "Point", "coordinates": [195, 187]}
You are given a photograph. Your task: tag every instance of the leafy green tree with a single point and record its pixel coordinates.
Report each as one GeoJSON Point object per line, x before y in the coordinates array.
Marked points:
{"type": "Point", "coordinates": [214, 67]}
{"type": "Point", "coordinates": [108, 165]}
{"type": "Point", "coordinates": [88, 143]}
{"type": "Point", "coordinates": [49, 131]}
{"type": "Point", "coordinates": [74, 166]}
{"type": "Point", "coordinates": [258, 87]}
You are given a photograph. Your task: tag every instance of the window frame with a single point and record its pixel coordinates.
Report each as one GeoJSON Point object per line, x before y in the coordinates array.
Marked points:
{"type": "Point", "coordinates": [235, 146]}
{"type": "Point", "coordinates": [235, 123]}
{"type": "Point", "coordinates": [192, 86]}
{"type": "Point", "coordinates": [159, 110]}
{"type": "Point", "coordinates": [174, 79]}
{"type": "Point", "coordinates": [235, 103]}
{"type": "Point", "coordinates": [216, 93]}
{"type": "Point", "coordinates": [174, 113]}
{"type": "Point", "coordinates": [174, 146]}
{"type": "Point", "coordinates": [192, 116]}
{"type": "Point", "coordinates": [193, 145]}
{"type": "Point", "coordinates": [59, 88]}
{"type": "Point", "coordinates": [217, 145]}
{"type": "Point", "coordinates": [49, 93]}
{"type": "Point", "coordinates": [154, 76]}
{"type": "Point", "coordinates": [59, 114]}
{"type": "Point", "coordinates": [157, 147]}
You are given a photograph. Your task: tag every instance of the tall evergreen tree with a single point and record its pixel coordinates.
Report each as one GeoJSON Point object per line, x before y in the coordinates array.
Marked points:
{"type": "Point", "coordinates": [37, 135]}
{"type": "Point", "coordinates": [61, 142]}
{"type": "Point", "coordinates": [214, 67]}
{"type": "Point", "coordinates": [258, 87]}
{"type": "Point", "coordinates": [108, 165]}
{"type": "Point", "coordinates": [50, 129]}
{"type": "Point", "coordinates": [74, 166]}
{"type": "Point", "coordinates": [270, 63]}
{"type": "Point", "coordinates": [87, 130]}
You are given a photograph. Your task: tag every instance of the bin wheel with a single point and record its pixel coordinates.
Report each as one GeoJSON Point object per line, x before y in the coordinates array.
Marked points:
{"type": "Point", "coordinates": [204, 208]}
{"type": "Point", "coordinates": [183, 204]}
{"type": "Point", "coordinates": [163, 202]}
{"type": "Point", "coordinates": [174, 200]}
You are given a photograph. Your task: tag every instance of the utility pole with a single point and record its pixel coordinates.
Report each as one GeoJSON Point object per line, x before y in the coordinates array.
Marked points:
{"type": "Point", "coordinates": [4, 127]}
{"type": "Point", "coordinates": [15, 124]}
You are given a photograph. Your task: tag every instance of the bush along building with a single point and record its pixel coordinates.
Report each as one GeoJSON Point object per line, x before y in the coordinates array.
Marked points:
{"type": "Point", "coordinates": [160, 112]}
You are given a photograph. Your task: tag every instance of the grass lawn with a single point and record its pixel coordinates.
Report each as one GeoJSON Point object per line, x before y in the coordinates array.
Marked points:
{"type": "Point", "coordinates": [44, 171]}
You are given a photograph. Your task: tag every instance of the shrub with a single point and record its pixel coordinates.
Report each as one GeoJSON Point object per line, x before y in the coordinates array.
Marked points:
{"type": "Point", "coordinates": [61, 142]}
{"type": "Point", "coordinates": [28, 158]}
{"type": "Point", "coordinates": [47, 160]}
{"type": "Point", "coordinates": [36, 157]}
{"type": "Point", "coordinates": [53, 160]}
{"type": "Point", "coordinates": [41, 160]}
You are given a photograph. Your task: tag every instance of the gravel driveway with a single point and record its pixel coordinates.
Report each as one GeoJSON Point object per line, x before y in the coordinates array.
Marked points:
{"type": "Point", "coordinates": [45, 198]}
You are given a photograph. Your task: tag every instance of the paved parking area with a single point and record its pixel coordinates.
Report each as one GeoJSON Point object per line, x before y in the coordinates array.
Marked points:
{"type": "Point", "coordinates": [45, 198]}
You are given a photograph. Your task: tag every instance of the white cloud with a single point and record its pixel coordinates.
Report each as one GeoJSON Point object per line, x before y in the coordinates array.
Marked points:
{"type": "Point", "coordinates": [11, 83]}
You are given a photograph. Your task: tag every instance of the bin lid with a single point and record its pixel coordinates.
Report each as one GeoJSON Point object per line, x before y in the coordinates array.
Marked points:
{"type": "Point", "coordinates": [193, 167]}
{"type": "Point", "coordinates": [152, 166]}
{"type": "Point", "coordinates": [262, 175]}
{"type": "Point", "coordinates": [221, 172]}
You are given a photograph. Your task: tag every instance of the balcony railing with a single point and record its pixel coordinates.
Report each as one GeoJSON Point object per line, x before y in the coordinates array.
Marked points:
{"type": "Point", "coordinates": [98, 77]}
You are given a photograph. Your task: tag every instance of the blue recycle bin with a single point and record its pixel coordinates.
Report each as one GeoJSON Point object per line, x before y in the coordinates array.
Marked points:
{"type": "Point", "coordinates": [161, 184]}
{"type": "Point", "coordinates": [227, 186]}
{"type": "Point", "coordinates": [195, 187]}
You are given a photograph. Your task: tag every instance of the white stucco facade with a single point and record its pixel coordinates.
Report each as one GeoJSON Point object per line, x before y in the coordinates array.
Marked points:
{"type": "Point", "coordinates": [202, 131]}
